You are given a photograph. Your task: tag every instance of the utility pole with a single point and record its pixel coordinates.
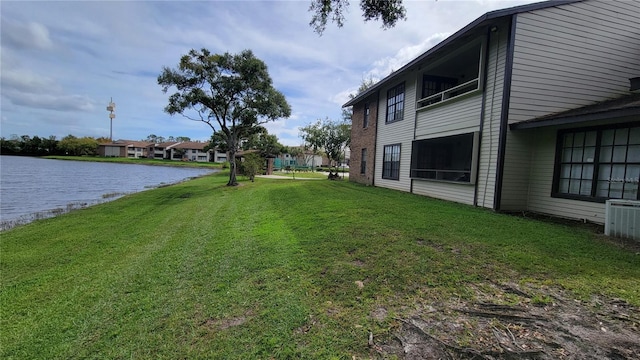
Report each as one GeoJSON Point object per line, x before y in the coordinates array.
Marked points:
{"type": "Point", "coordinates": [110, 108]}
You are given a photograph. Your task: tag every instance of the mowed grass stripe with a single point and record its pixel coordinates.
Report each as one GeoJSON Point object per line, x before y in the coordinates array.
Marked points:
{"type": "Point", "coordinates": [274, 268]}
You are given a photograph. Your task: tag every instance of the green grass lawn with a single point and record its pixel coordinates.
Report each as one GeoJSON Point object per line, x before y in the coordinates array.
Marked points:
{"type": "Point", "coordinates": [301, 174]}
{"type": "Point", "coordinates": [269, 269]}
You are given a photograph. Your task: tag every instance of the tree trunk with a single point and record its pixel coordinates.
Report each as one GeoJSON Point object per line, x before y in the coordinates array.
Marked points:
{"type": "Point", "coordinates": [232, 165]}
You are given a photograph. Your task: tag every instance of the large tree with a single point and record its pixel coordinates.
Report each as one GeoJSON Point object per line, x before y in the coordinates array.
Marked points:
{"type": "Point", "coordinates": [231, 93]}
{"type": "Point", "coordinates": [389, 11]}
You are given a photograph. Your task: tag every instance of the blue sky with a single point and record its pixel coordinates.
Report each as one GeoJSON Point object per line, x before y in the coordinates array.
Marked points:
{"type": "Point", "coordinates": [62, 61]}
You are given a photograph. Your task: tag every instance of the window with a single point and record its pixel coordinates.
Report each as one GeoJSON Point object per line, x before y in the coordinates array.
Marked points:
{"type": "Point", "coordinates": [391, 162]}
{"type": "Point", "coordinates": [447, 158]}
{"type": "Point", "coordinates": [363, 161]}
{"type": "Point", "coordinates": [395, 103]}
{"type": "Point", "coordinates": [598, 163]}
{"type": "Point", "coordinates": [365, 122]}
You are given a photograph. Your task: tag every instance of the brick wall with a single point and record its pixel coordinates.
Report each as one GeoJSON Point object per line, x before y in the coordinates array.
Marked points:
{"type": "Point", "coordinates": [363, 138]}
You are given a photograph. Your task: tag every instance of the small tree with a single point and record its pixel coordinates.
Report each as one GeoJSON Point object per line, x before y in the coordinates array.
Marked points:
{"type": "Point", "coordinates": [338, 137]}
{"type": "Point", "coordinates": [347, 112]}
{"type": "Point", "coordinates": [295, 153]}
{"type": "Point", "coordinates": [252, 165]}
{"type": "Point", "coordinates": [313, 137]}
{"type": "Point", "coordinates": [72, 145]}
{"type": "Point", "coordinates": [232, 94]}
{"type": "Point", "coordinates": [265, 143]}
{"type": "Point", "coordinates": [331, 136]}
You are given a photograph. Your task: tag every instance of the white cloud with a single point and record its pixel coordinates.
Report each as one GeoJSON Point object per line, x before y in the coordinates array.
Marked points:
{"type": "Point", "coordinates": [385, 66]}
{"type": "Point", "coordinates": [52, 102]}
{"type": "Point", "coordinates": [343, 96]}
{"type": "Point", "coordinates": [22, 80]}
{"type": "Point", "coordinates": [286, 130]}
{"type": "Point", "coordinates": [29, 89]}
{"type": "Point", "coordinates": [26, 35]}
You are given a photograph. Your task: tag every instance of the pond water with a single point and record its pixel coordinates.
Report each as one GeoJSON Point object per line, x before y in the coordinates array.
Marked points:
{"type": "Point", "coordinates": [33, 188]}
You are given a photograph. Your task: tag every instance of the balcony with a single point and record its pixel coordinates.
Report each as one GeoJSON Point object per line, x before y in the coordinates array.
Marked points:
{"type": "Point", "coordinates": [452, 76]}
{"type": "Point", "coordinates": [449, 94]}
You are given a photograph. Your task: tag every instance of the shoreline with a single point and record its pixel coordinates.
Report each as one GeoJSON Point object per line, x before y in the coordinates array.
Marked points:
{"type": "Point", "coordinates": [18, 213]}
{"type": "Point", "coordinates": [136, 161]}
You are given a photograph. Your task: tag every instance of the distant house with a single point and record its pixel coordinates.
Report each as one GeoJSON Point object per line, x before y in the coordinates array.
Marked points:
{"type": "Point", "coordinates": [124, 148]}
{"type": "Point", "coordinates": [159, 151]}
{"type": "Point", "coordinates": [188, 151]}
{"type": "Point", "coordinates": [137, 149]}
{"type": "Point", "coordinates": [174, 150]}
{"type": "Point", "coordinates": [306, 159]}
{"type": "Point", "coordinates": [219, 157]}
{"type": "Point", "coordinates": [112, 150]}
{"type": "Point", "coordinates": [528, 108]}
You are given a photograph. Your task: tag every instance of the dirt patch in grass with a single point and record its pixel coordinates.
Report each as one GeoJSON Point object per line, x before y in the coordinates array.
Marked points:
{"type": "Point", "coordinates": [223, 324]}
{"type": "Point", "coordinates": [508, 321]}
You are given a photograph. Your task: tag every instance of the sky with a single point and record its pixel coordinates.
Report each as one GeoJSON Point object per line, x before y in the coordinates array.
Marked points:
{"type": "Point", "coordinates": [61, 62]}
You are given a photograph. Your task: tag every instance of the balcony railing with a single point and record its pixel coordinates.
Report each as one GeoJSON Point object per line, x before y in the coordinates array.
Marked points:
{"type": "Point", "coordinates": [449, 94]}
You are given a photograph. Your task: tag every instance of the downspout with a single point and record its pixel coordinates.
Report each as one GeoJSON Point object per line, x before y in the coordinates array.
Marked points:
{"type": "Point", "coordinates": [490, 29]}
{"type": "Point", "coordinates": [504, 114]}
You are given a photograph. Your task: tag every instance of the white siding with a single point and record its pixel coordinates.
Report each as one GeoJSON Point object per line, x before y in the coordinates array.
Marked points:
{"type": "Point", "coordinates": [462, 193]}
{"type": "Point", "coordinates": [399, 132]}
{"type": "Point", "coordinates": [515, 180]}
{"type": "Point", "coordinates": [565, 57]}
{"type": "Point", "coordinates": [573, 55]}
{"type": "Point", "coordinates": [541, 180]}
{"type": "Point", "coordinates": [493, 108]}
{"type": "Point", "coordinates": [457, 117]}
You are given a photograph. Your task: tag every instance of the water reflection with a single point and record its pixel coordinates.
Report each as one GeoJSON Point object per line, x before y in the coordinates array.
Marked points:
{"type": "Point", "coordinates": [33, 188]}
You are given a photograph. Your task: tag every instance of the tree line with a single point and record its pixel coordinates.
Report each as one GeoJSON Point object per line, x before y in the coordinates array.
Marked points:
{"type": "Point", "coordinates": [41, 146]}
{"type": "Point", "coordinates": [68, 145]}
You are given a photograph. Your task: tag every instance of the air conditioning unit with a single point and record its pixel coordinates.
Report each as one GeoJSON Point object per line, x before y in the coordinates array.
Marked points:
{"type": "Point", "coordinates": [622, 219]}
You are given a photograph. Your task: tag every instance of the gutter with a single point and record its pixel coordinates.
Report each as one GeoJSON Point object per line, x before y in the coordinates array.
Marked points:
{"type": "Point", "coordinates": [482, 111]}
{"type": "Point", "coordinates": [504, 114]}
{"type": "Point", "coordinates": [567, 120]}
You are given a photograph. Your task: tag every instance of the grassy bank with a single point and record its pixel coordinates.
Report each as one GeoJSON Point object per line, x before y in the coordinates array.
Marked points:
{"type": "Point", "coordinates": [270, 269]}
{"type": "Point", "coordinates": [139, 161]}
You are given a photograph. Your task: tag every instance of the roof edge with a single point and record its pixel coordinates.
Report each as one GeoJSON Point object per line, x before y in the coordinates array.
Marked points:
{"type": "Point", "coordinates": [491, 15]}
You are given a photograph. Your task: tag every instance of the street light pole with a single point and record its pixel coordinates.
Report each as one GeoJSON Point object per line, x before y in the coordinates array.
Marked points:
{"type": "Point", "coordinates": [110, 108]}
